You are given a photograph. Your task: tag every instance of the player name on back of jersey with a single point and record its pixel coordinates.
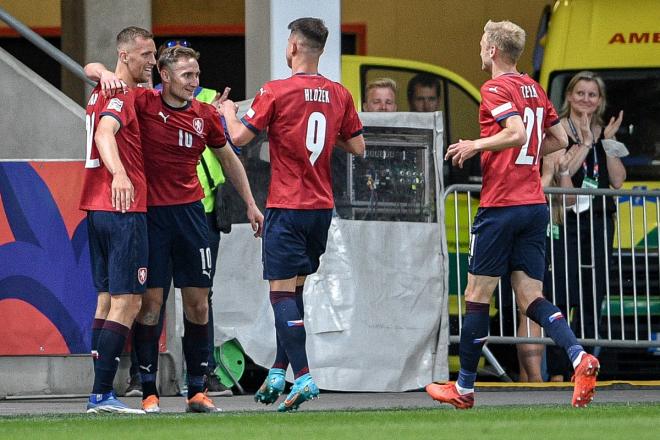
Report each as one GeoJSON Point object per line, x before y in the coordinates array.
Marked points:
{"type": "Point", "coordinates": [528, 92]}
{"type": "Point", "coordinates": [318, 95]}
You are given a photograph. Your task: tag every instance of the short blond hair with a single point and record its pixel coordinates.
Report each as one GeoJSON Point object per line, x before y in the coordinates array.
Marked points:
{"type": "Point", "coordinates": [128, 35]}
{"type": "Point", "coordinates": [508, 37]}
{"type": "Point", "coordinates": [381, 83]}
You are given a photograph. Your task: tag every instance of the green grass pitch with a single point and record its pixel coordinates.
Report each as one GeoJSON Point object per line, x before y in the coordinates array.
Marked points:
{"type": "Point", "coordinates": [606, 421]}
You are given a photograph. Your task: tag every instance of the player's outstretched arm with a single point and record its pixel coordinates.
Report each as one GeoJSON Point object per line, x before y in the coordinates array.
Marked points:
{"type": "Point", "coordinates": [110, 83]}
{"type": "Point", "coordinates": [123, 193]}
{"type": "Point", "coordinates": [354, 145]}
{"type": "Point", "coordinates": [555, 139]}
{"type": "Point", "coordinates": [234, 169]}
{"type": "Point", "coordinates": [512, 135]}
{"type": "Point", "coordinates": [240, 135]}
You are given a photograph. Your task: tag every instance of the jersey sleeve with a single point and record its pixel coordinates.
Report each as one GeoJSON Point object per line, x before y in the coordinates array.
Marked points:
{"type": "Point", "coordinates": [260, 113]}
{"type": "Point", "coordinates": [216, 136]}
{"type": "Point", "coordinates": [497, 100]}
{"type": "Point", "coordinates": [118, 107]}
{"type": "Point", "coordinates": [351, 125]}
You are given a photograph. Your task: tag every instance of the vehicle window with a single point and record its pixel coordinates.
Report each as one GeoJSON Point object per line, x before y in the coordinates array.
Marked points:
{"type": "Point", "coordinates": [637, 93]}
{"type": "Point", "coordinates": [402, 77]}
{"type": "Point", "coordinates": [462, 123]}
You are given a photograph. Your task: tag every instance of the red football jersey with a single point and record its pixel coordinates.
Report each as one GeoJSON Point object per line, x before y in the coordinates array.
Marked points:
{"type": "Point", "coordinates": [512, 176]}
{"type": "Point", "coordinates": [304, 115]}
{"type": "Point", "coordinates": [97, 185]}
{"type": "Point", "coordinates": [172, 140]}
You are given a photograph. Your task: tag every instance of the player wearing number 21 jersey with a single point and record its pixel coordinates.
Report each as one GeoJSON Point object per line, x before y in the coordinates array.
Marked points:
{"type": "Point", "coordinates": [512, 176]}
{"type": "Point", "coordinates": [518, 125]}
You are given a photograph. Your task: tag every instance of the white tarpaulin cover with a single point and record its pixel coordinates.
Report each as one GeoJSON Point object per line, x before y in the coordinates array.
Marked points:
{"type": "Point", "coordinates": [373, 312]}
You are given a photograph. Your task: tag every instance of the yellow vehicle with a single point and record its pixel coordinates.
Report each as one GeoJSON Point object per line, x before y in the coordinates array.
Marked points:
{"type": "Point", "coordinates": [459, 99]}
{"type": "Point", "coordinates": [619, 40]}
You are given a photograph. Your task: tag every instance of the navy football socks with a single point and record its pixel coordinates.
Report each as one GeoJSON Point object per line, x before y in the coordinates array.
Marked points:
{"type": "Point", "coordinates": [196, 353]}
{"type": "Point", "coordinates": [145, 340]}
{"type": "Point", "coordinates": [548, 316]}
{"type": "Point", "coordinates": [281, 359]}
{"type": "Point", "coordinates": [97, 326]}
{"type": "Point", "coordinates": [473, 337]}
{"type": "Point", "coordinates": [111, 342]}
{"type": "Point", "coordinates": [290, 328]}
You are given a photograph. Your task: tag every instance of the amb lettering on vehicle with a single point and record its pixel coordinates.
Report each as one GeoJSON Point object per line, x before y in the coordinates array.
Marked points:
{"type": "Point", "coordinates": [635, 38]}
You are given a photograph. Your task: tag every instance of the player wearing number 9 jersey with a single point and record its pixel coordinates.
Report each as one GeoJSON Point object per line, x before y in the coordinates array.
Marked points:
{"type": "Point", "coordinates": [509, 230]}
{"type": "Point", "coordinates": [305, 115]}
{"type": "Point", "coordinates": [300, 145]}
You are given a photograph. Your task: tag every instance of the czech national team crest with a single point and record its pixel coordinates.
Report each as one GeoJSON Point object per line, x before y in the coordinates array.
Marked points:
{"type": "Point", "coordinates": [198, 125]}
{"type": "Point", "coordinates": [142, 275]}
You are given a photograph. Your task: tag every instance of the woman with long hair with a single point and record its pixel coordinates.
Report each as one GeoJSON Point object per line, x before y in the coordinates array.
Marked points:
{"type": "Point", "coordinates": [590, 222]}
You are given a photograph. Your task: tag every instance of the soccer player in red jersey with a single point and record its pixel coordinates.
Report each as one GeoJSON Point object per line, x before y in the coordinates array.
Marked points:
{"type": "Point", "coordinates": [518, 125]}
{"type": "Point", "coordinates": [306, 115]}
{"type": "Point", "coordinates": [175, 129]}
{"type": "Point", "coordinates": [114, 194]}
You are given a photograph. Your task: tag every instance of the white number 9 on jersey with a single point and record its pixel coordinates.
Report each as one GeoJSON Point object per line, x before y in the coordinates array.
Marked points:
{"type": "Point", "coordinates": [315, 139]}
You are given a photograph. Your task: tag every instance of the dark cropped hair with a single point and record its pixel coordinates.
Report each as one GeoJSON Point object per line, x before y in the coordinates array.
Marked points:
{"type": "Point", "coordinates": [173, 54]}
{"type": "Point", "coordinates": [424, 80]}
{"type": "Point", "coordinates": [131, 33]}
{"type": "Point", "coordinates": [313, 30]}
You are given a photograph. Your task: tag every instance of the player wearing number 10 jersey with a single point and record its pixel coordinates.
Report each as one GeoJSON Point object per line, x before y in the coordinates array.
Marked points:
{"type": "Point", "coordinates": [305, 115]}
{"type": "Point", "coordinates": [509, 230]}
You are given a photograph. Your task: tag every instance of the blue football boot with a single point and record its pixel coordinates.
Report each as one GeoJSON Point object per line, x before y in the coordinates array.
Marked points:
{"type": "Point", "coordinates": [108, 403]}
{"type": "Point", "coordinates": [272, 387]}
{"type": "Point", "coordinates": [303, 389]}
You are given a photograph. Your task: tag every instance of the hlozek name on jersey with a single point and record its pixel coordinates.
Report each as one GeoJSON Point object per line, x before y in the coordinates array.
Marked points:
{"type": "Point", "coordinates": [318, 95]}
{"type": "Point", "coordinates": [528, 91]}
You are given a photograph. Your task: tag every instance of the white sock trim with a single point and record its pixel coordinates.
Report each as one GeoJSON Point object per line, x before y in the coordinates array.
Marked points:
{"type": "Point", "coordinates": [577, 360]}
{"type": "Point", "coordinates": [463, 391]}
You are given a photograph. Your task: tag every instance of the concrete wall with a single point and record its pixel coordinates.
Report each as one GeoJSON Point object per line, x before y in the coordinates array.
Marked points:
{"type": "Point", "coordinates": [38, 121]}
{"type": "Point", "coordinates": [72, 375]}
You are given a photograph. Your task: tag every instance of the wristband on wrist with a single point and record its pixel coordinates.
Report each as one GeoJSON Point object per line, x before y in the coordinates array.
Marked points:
{"type": "Point", "coordinates": [565, 173]}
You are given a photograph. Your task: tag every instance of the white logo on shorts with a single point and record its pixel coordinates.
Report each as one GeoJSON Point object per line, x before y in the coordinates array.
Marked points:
{"type": "Point", "coordinates": [142, 275]}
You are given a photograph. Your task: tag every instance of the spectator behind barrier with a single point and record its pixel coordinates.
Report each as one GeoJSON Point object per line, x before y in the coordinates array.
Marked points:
{"type": "Point", "coordinates": [424, 93]}
{"type": "Point", "coordinates": [593, 164]}
{"type": "Point", "coordinates": [380, 96]}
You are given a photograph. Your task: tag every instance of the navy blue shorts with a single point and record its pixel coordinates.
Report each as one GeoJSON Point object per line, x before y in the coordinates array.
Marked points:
{"type": "Point", "coordinates": [179, 246]}
{"type": "Point", "coordinates": [508, 239]}
{"type": "Point", "coordinates": [119, 251]}
{"type": "Point", "coordinates": [293, 241]}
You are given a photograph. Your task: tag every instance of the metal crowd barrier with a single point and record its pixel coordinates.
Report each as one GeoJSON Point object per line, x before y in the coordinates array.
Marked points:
{"type": "Point", "coordinates": [627, 313]}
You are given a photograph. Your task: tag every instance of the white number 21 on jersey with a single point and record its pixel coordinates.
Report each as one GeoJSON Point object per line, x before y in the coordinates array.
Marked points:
{"type": "Point", "coordinates": [315, 138]}
{"type": "Point", "coordinates": [531, 120]}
